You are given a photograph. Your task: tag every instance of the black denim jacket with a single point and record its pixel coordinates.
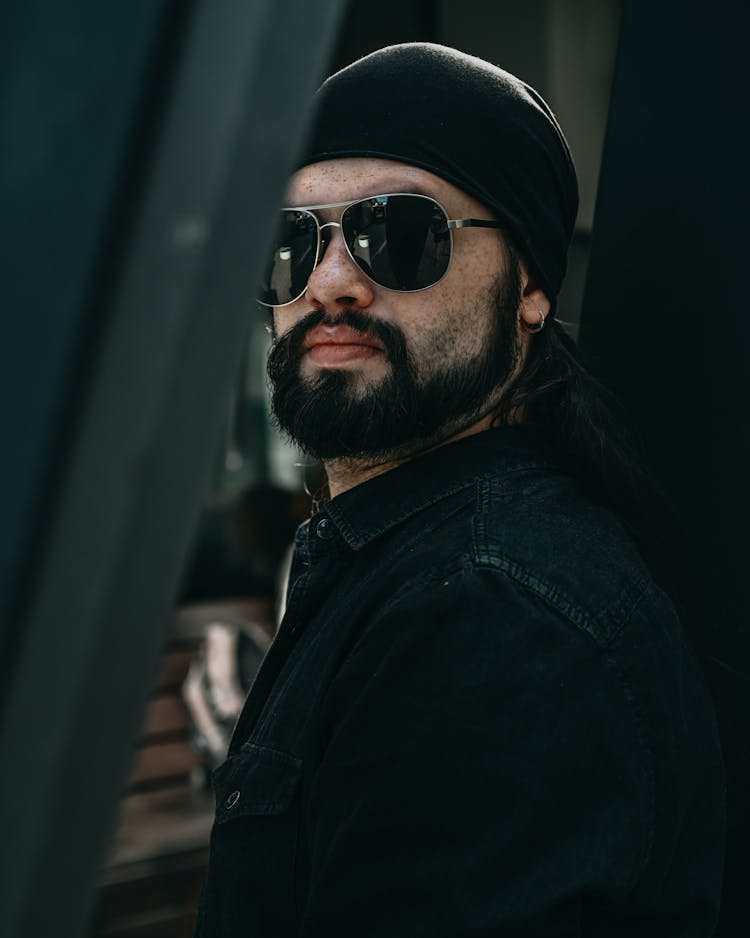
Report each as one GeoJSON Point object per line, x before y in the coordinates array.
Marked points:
{"type": "Point", "coordinates": [480, 717]}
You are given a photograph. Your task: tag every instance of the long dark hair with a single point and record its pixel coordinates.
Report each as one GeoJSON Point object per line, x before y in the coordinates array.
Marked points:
{"type": "Point", "coordinates": [574, 418]}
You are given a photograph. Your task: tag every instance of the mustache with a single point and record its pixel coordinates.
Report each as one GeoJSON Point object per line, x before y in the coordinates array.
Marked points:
{"type": "Point", "coordinates": [287, 348]}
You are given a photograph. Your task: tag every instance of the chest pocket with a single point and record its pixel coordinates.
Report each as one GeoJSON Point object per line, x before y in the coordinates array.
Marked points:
{"type": "Point", "coordinates": [255, 782]}
{"type": "Point", "coordinates": [251, 884]}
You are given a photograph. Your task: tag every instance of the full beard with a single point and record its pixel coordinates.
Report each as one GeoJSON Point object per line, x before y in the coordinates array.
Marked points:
{"type": "Point", "coordinates": [333, 416]}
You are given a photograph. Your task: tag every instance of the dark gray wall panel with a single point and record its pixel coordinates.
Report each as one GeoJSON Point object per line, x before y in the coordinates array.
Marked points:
{"type": "Point", "coordinates": [150, 331]}
{"type": "Point", "coordinates": [71, 78]}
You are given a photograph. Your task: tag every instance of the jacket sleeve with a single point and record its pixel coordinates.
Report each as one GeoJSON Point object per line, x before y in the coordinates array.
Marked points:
{"type": "Point", "coordinates": [484, 772]}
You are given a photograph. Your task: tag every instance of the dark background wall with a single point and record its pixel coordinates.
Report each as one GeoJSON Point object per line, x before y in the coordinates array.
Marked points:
{"type": "Point", "coordinates": [665, 322]}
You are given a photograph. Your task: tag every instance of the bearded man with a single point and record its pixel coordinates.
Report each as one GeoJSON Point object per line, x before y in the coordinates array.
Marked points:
{"type": "Point", "coordinates": [480, 715]}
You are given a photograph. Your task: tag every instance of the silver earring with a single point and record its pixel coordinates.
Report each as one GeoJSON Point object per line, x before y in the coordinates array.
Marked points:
{"type": "Point", "coordinates": [538, 327]}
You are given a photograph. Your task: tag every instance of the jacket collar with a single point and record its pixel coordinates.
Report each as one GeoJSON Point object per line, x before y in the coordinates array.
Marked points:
{"type": "Point", "coordinates": [370, 509]}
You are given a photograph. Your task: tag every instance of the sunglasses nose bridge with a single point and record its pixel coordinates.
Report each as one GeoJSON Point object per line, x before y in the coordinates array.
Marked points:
{"type": "Point", "coordinates": [337, 279]}
{"type": "Point", "coordinates": [324, 242]}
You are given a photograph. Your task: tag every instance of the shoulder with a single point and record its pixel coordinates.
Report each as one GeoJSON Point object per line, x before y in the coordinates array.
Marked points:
{"type": "Point", "coordinates": [537, 528]}
{"type": "Point", "coordinates": [531, 532]}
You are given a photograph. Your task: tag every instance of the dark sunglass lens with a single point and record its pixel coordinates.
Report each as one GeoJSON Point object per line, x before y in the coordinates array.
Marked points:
{"type": "Point", "coordinates": [292, 260]}
{"type": "Point", "coordinates": [401, 241]}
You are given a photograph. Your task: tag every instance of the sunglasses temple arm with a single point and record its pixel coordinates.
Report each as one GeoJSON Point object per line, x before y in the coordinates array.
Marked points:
{"type": "Point", "coordinates": [472, 223]}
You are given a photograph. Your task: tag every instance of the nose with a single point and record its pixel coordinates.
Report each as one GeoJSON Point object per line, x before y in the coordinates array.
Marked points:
{"type": "Point", "coordinates": [337, 282]}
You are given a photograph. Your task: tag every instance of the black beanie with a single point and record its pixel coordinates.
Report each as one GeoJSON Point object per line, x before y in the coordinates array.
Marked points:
{"type": "Point", "coordinates": [467, 121]}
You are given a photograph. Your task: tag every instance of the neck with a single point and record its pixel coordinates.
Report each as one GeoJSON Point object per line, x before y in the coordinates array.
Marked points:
{"type": "Point", "coordinates": [344, 474]}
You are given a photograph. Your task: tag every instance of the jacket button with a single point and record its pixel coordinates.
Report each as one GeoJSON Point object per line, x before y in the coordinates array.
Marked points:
{"type": "Point", "coordinates": [324, 529]}
{"type": "Point", "coordinates": [232, 799]}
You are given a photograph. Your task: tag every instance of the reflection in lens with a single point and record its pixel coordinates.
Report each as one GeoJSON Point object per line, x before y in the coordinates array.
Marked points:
{"type": "Point", "coordinates": [401, 241]}
{"type": "Point", "coordinates": [292, 260]}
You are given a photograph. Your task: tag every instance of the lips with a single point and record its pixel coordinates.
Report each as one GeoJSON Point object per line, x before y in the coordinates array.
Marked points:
{"type": "Point", "coordinates": [332, 345]}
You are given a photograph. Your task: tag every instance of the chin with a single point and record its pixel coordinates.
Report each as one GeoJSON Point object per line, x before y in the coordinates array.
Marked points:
{"type": "Point", "coordinates": [356, 377]}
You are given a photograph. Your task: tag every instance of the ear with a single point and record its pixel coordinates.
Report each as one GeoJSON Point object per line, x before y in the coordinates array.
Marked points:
{"type": "Point", "coordinates": [535, 305]}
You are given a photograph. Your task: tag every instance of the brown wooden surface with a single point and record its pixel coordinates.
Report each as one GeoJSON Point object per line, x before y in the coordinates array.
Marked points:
{"type": "Point", "coordinates": [176, 663]}
{"type": "Point", "coordinates": [166, 714]}
{"type": "Point", "coordinates": [164, 760]}
{"type": "Point", "coordinates": [158, 824]}
{"type": "Point", "coordinates": [150, 881]}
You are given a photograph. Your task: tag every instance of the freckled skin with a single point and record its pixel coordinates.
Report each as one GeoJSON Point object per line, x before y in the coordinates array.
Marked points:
{"type": "Point", "coordinates": [449, 322]}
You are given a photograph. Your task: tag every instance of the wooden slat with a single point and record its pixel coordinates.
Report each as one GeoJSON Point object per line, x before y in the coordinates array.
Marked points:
{"type": "Point", "coordinates": [162, 922]}
{"type": "Point", "coordinates": [167, 760]}
{"type": "Point", "coordinates": [159, 831]}
{"type": "Point", "coordinates": [175, 667]}
{"type": "Point", "coordinates": [166, 714]}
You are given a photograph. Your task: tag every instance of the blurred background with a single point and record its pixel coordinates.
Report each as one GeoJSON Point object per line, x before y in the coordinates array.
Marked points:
{"type": "Point", "coordinates": [148, 502]}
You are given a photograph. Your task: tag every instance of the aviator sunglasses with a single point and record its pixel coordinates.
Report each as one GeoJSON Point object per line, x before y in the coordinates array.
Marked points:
{"type": "Point", "coordinates": [400, 241]}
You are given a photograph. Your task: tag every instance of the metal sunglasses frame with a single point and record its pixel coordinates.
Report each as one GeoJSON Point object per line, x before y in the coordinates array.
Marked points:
{"type": "Point", "coordinates": [452, 223]}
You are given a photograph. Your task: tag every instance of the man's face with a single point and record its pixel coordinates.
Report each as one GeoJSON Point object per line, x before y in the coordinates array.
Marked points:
{"type": "Point", "coordinates": [359, 371]}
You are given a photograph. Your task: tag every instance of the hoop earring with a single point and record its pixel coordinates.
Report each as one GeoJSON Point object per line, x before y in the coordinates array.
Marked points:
{"type": "Point", "coordinates": [536, 328]}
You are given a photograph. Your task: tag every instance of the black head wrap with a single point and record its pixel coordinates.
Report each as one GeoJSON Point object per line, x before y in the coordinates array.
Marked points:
{"type": "Point", "coordinates": [469, 122]}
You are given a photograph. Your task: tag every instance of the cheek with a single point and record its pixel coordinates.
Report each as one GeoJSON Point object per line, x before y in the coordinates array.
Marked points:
{"type": "Point", "coordinates": [455, 325]}
{"type": "Point", "coordinates": [284, 317]}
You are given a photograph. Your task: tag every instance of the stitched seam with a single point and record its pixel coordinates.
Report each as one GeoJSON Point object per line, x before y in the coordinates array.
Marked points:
{"type": "Point", "coordinates": [611, 618]}
{"type": "Point", "coordinates": [641, 728]}
{"type": "Point", "coordinates": [260, 805]}
{"type": "Point", "coordinates": [277, 755]}
{"type": "Point", "coordinates": [619, 611]}
{"type": "Point", "coordinates": [356, 540]}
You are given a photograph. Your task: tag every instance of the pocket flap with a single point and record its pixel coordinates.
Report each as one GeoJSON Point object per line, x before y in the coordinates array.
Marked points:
{"type": "Point", "coordinates": [255, 781]}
